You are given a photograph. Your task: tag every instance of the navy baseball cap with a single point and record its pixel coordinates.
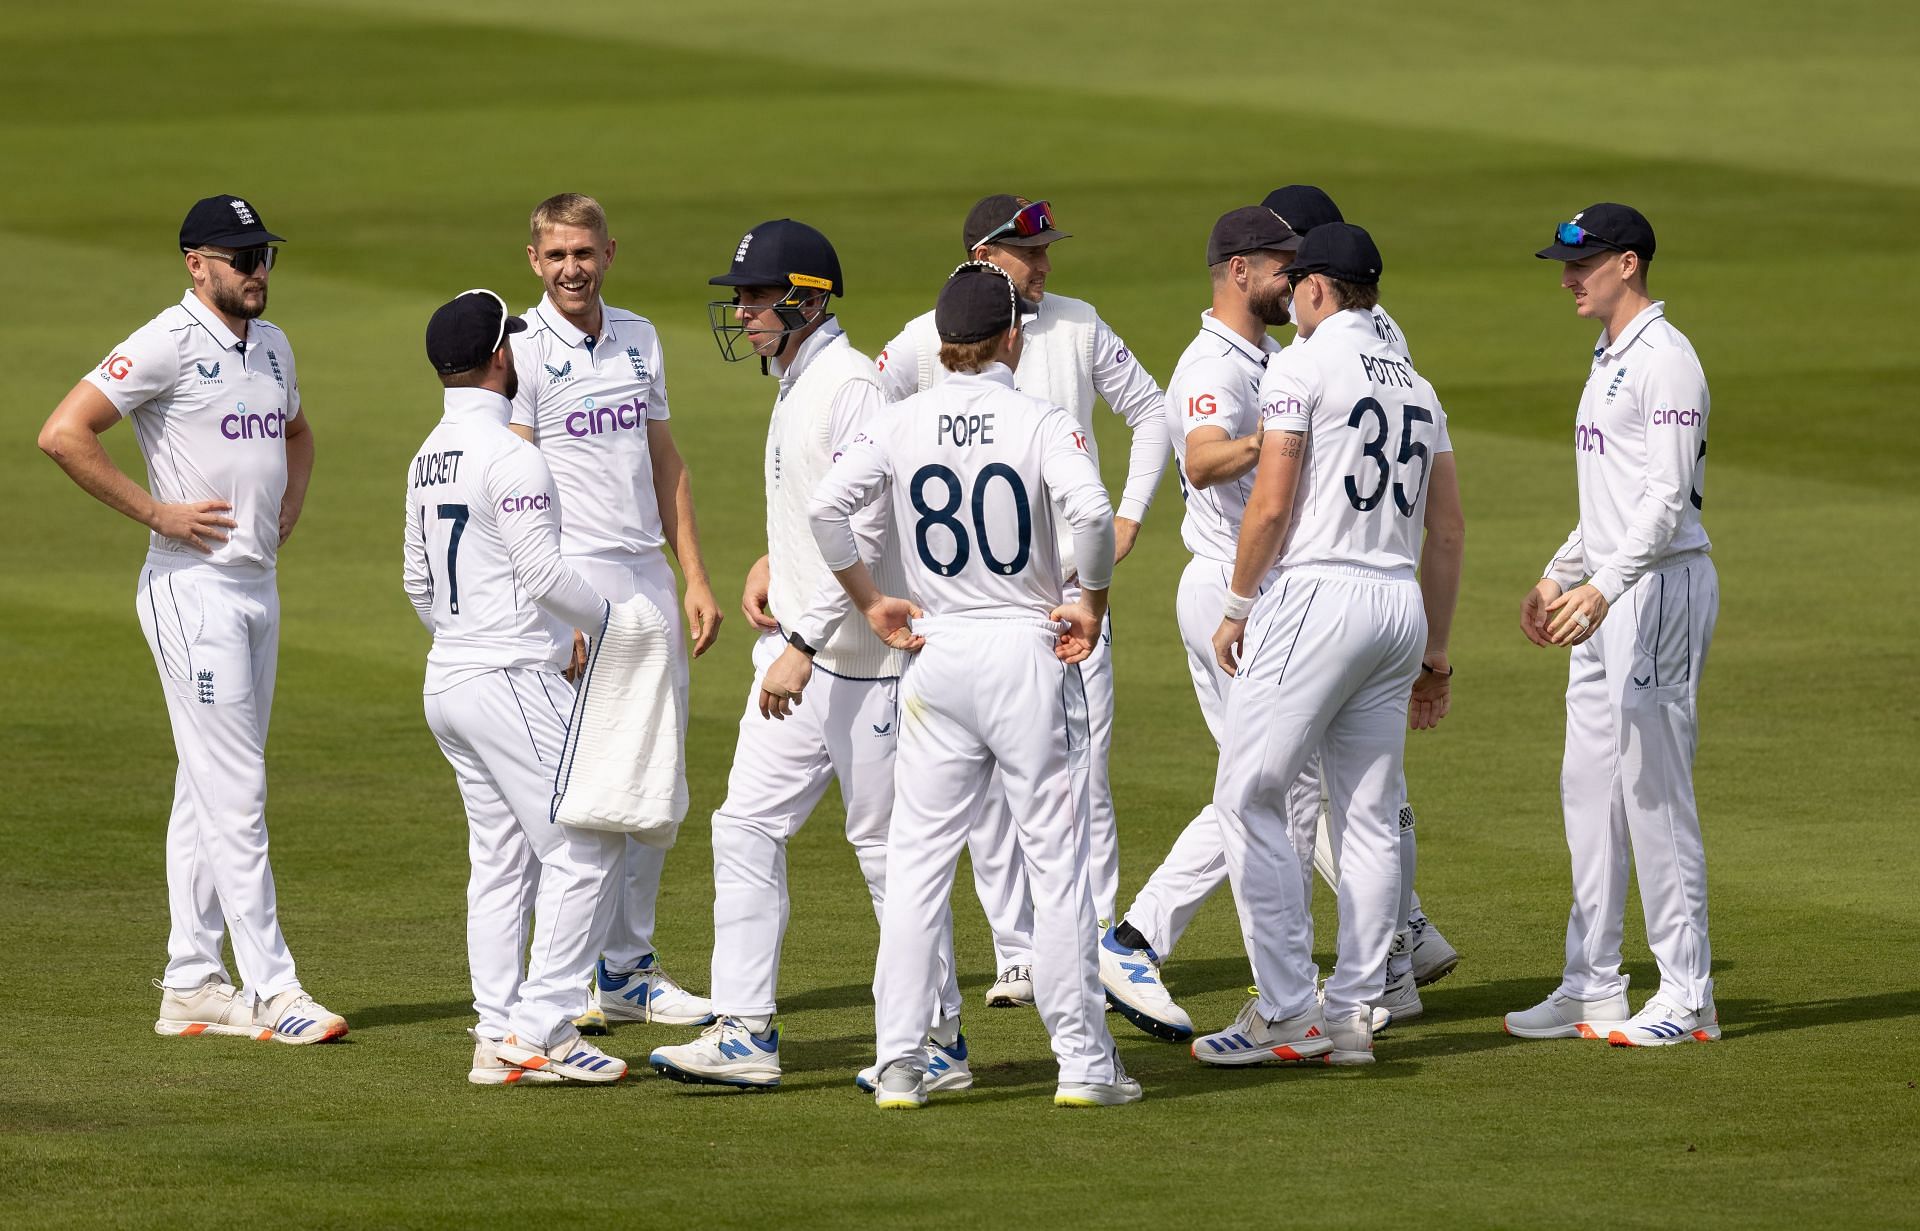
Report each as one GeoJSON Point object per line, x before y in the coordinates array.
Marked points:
{"type": "Point", "coordinates": [1251, 228]}
{"type": "Point", "coordinates": [1011, 221]}
{"type": "Point", "coordinates": [786, 254]}
{"type": "Point", "coordinates": [465, 331]}
{"type": "Point", "coordinates": [979, 302]}
{"type": "Point", "coordinates": [1303, 207]}
{"type": "Point", "coordinates": [1339, 250]}
{"type": "Point", "coordinates": [1605, 227]}
{"type": "Point", "coordinates": [225, 221]}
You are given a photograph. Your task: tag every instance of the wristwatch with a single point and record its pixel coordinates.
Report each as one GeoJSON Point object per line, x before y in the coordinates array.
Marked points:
{"type": "Point", "coordinates": [800, 643]}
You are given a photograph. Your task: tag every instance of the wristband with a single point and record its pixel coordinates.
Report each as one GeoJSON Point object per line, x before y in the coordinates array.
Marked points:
{"type": "Point", "coordinates": [799, 643]}
{"type": "Point", "coordinates": [1237, 606]}
{"type": "Point", "coordinates": [1445, 675]}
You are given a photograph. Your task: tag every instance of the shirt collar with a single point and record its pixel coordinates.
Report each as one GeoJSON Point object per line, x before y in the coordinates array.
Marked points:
{"type": "Point", "coordinates": [470, 403]}
{"type": "Point", "coordinates": [1648, 315]}
{"type": "Point", "coordinates": [994, 373]}
{"type": "Point", "coordinates": [569, 332]}
{"type": "Point", "coordinates": [820, 339]}
{"type": "Point", "coordinates": [1351, 320]}
{"type": "Point", "coordinates": [1209, 323]}
{"type": "Point", "coordinates": [200, 312]}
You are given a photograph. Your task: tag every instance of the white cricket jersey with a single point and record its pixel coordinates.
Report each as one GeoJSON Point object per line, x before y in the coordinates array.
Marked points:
{"type": "Point", "coordinates": [588, 402]}
{"type": "Point", "coordinates": [1385, 328]}
{"type": "Point", "coordinates": [1640, 448]}
{"type": "Point", "coordinates": [483, 566]}
{"type": "Point", "coordinates": [210, 411]}
{"type": "Point", "coordinates": [1216, 384]}
{"type": "Point", "coordinates": [976, 470]}
{"type": "Point", "coordinates": [1373, 426]}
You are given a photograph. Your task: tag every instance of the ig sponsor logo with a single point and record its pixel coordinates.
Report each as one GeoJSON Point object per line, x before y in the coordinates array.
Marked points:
{"type": "Point", "coordinates": [116, 366]}
{"type": "Point", "coordinates": [1202, 405]}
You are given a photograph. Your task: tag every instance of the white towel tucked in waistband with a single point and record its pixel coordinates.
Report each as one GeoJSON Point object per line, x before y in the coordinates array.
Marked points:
{"type": "Point", "coordinates": [623, 767]}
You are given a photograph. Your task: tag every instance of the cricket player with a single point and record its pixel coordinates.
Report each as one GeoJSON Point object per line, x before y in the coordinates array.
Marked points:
{"type": "Point", "coordinates": [484, 571]}
{"type": "Point", "coordinates": [593, 396]}
{"type": "Point", "coordinates": [1634, 593]}
{"type": "Point", "coordinates": [214, 398]}
{"type": "Point", "coordinates": [1339, 644]}
{"type": "Point", "coordinates": [1072, 356]}
{"type": "Point", "coordinates": [978, 469]}
{"type": "Point", "coordinates": [824, 701]}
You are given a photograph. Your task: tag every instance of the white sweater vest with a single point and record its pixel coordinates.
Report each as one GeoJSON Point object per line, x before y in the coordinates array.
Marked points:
{"type": "Point", "coordinates": [799, 453]}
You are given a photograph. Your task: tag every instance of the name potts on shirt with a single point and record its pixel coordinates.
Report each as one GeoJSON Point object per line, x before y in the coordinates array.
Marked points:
{"type": "Point", "coordinates": [592, 420]}
{"type": "Point", "coordinates": [245, 425]}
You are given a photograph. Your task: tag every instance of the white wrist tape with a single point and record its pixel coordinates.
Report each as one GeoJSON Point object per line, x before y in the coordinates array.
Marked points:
{"type": "Point", "coordinates": [1237, 607]}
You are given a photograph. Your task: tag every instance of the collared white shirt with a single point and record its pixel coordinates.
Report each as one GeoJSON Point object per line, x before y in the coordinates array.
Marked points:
{"type": "Point", "coordinates": [1216, 384]}
{"type": "Point", "coordinates": [588, 402]}
{"type": "Point", "coordinates": [210, 413]}
{"type": "Point", "coordinates": [1385, 328]}
{"type": "Point", "coordinates": [1640, 448]}
{"type": "Point", "coordinates": [1373, 427]}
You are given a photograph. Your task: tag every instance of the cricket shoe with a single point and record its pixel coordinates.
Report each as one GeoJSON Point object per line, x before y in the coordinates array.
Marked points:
{"type": "Point", "coordinates": [1131, 978]}
{"type": "Point", "coordinates": [1662, 1022]}
{"type": "Point", "coordinates": [1352, 1039]}
{"type": "Point", "coordinates": [295, 1017]}
{"type": "Point", "coordinates": [490, 1070]}
{"type": "Point", "coordinates": [1116, 1093]}
{"type": "Point", "coordinates": [902, 1089]}
{"type": "Point", "coordinates": [647, 993]}
{"type": "Point", "coordinates": [570, 1059]}
{"type": "Point", "coordinates": [1252, 1039]}
{"type": "Point", "coordinates": [1561, 1016]}
{"type": "Point", "coordinates": [1012, 990]}
{"type": "Point", "coordinates": [1433, 958]}
{"type": "Point", "coordinates": [725, 1054]}
{"type": "Point", "coordinates": [1400, 1002]}
{"type": "Point", "coordinates": [947, 1069]}
{"type": "Point", "coordinates": [214, 1008]}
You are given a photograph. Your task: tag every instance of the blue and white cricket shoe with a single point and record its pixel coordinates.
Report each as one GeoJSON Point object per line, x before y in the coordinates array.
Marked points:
{"type": "Point", "coordinates": [570, 1058]}
{"type": "Point", "coordinates": [947, 1069]}
{"type": "Point", "coordinates": [1664, 1022]}
{"type": "Point", "coordinates": [1131, 978]}
{"type": "Point", "coordinates": [725, 1054]}
{"type": "Point", "coordinates": [295, 1017]}
{"type": "Point", "coordinates": [1252, 1039]}
{"type": "Point", "coordinates": [647, 993]}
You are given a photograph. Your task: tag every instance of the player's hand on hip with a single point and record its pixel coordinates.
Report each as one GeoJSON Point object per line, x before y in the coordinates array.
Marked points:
{"type": "Point", "coordinates": [892, 621]}
{"type": "Point", "coordinates": [753, 599]}
{"type": "Point", "coordinates": [1125, 532]}
{"type": "Point", "coordinates": [1082, 632]}
{"type": "Point", "coordinates": [785, 680]}
{"type": "Point", "coordinates": [1228, 641]}
{"type": "Point", "coordinates": [197, 523]}
{"type": "Point", "coordinates": [1533, 610]}
{"type": "Point", "coordinates": [577, 661]}
{"type": "Point", "coordinates": [1432, 693]}
{"type": "Point", "coordinates": [1576, 615]}
{"type": "Point", "coordinates": [703, 617]}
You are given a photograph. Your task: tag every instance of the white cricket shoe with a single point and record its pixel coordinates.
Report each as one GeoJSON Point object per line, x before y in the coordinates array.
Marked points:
{"type": "Point", "coordinates": [490, 1070]}
{"type": "Point", "coordinates": [901, 1089]}
{"type": "Point", "coordinates": [647, 993]}
{"type": "Point", "coordinates": [1352, 1039]}
{"type": "Point", "coordinates": [1433, 958]}
{"type": "Point", "coordinates": [1663, 1022]}
{"type": "Point", "coordinates": [947, 1069]}
{"type": "Point", "coordinates": [1399, 1003]}
{"type": "Point", "coordinates": [1012, 990]}
{"type": "Point", "coordinates": [571, 1058]}
{"type": "Point", "coordinates": [725, 1054]}
{"type": "Point", "coordinates": [1118, 1092]}
{"type": "Point", "coordinates": [1252, 1039]}
{"type": "Point", "coordinates": [212, 1008]}
{"type": "Point", "coordinates": [1560, 1016]}
{"type": "Point", "coordinates": [295, 1017]}
{"type": "Point", "coordinates": [1131, 978]}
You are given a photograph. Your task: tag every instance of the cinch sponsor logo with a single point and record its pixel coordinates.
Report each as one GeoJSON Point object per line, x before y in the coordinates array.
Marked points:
{"type": "Point", "coordinates": [1285, 406]}
{"type": "Point", "coordinates": [243, 426]}
{"type": "Point", "coordinates": [518, 504]}
{"type": "Point", "coordinates": [1680, 418]}
{"type": "Point", "coordinates": [1589, 440]}
{"type": "Point", "coordinates": [592, 420]}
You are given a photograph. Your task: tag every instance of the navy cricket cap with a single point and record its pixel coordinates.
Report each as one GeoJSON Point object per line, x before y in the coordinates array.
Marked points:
{"type": "Point", "coordinates": [1303, 207]}
{"type": "Point", "coordinates": [1011, 221]}
{"type": "Point", "coordinates": [1251, 228]}
{"type": "Point", "coordinates": [978, 302]}
{"type": "Point", "coordinates": [1605, 227]}
{"type": "Point", "coordinates": [786, 254]}
{"type": "Point", "coordinates": [1339, 250]}
{"type": "Point", "coordinates": [224, 221]}
{"type": "Point", "coordinates": [465, 331]}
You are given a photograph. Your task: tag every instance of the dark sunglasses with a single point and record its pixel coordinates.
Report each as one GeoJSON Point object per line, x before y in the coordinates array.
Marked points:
{"type": "Point", "coordinates": [245, 261]}
{"type": "Point", "coordinates": [1027, 222]}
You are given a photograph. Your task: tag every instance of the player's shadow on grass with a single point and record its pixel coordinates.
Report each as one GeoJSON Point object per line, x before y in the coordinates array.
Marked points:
{"type": "Point", "coordinates": [377, 1016]}
{"type": "Point", "coordinates": [1741, 1017]}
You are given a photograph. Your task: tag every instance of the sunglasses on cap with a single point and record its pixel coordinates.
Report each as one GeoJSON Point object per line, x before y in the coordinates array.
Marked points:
{"type": "Point", "coordinates": [1573, 235]}
{"type": "Point", "coordinates": [245, 261]}
{"type": "Point", "coordinates": [1027, 222]}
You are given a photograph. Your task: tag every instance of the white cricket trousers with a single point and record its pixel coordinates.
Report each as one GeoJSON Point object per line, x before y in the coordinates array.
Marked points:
{"type": "Point", "coordinates": [843, 729]}
{"type": "Point", "coordinates": [1000, 875]}
{"type": "Point", "coordinates": [1197, 864]}
{"type": "Point", "coordinates": [636, 893]}
{"type": "Point", "coordinates": [502, 732]}
{"type": "Point", "coordinates": [215, 636]}
{"type": "Point", "coordinates": [988, 693]}
{"type": "Point", "coordinates": [1633, 725]}
{"type": "Point", "coordinates": [1330, 655]}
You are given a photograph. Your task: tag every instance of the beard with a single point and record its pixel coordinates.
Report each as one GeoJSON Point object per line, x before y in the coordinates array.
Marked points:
{"type": "Point", "coordinates": [1272, 305]}
{"type": "Point", "coordinates": [232, 301]}
{"type": "Point", "coordinates": [513, 384]}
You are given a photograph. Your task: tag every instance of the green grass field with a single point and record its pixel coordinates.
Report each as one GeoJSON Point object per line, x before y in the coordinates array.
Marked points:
{"type": "Point", "coordinates": [400, 144]}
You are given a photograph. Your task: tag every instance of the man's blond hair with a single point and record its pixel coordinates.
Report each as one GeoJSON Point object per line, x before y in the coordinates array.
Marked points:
{"type": "Point", "coordinates": [567, 209]}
